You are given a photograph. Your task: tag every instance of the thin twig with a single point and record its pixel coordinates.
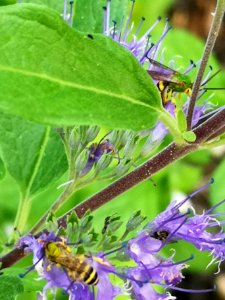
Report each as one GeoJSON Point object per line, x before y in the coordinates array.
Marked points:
{"type": "Point", "coordinates": [210, 128]}
{"type": "Point", "coordinates": [213, 33]}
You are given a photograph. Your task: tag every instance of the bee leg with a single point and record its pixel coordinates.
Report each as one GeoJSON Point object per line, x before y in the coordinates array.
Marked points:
{"type": "Point", "coordinates": [164, 97]}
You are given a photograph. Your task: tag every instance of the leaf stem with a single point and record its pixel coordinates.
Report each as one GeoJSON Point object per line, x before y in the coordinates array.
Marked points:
{"type": "Point", "coordinates": [22, 213]}
{"type": "Point", "coordinates": [213, 33]}
{"type": "Point", "coordinates": [67, 193]}
{"type": "Point", "coordinates": [25, 200]}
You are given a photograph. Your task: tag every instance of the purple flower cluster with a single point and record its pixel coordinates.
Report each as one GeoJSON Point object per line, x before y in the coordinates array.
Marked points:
{"type": "Point", "coordinates": [146, 268]}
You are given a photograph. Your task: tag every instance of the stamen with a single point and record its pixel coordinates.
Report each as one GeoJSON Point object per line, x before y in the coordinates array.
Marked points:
{"type": "Point", "coordinates": [208, 211]}
{"type": "Point", "coordinates": [141, 40]}
{"type": "Point", "coordinates": [119, 32]}
{"type": "Point", "coordinates": [70, 19]}
{"type": "Point", "coordinates": [156, 48]}
{"type": "Point", "coordinates": [124, 244]}
{"type": "Point", "coordinates": [195, 193]}
{"type": "Point", "coordinates": [126, 32]}
{"type": "Point", "coordinates": [191, 67]}
{"type": "Point", "coordinates": [208, 79]}
{"type": "Point", "coordinates": [65, 10]}
{"type": "Point", "coordinates": [145, 55]}
{"type": "Point", "coordinates": [104, 19]}
{"type": "Point", "coordinates": [114, 29]}
{"type": "Point", "coordinates": [139, 26]}
{"type": "Point", "coordinates": [181, 262]}
{"type": "Point", "coordinates": [207, 76]}
{"type": "Point", "coordinates": [107, 21]}
{"type": "Point", "coordinates": [147, 42]}
{"type": "Point", "coordinates": [187, 290]}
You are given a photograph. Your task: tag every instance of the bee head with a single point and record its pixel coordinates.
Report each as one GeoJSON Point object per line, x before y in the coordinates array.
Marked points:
{"type": "Point", "coordinates": [52, 249]}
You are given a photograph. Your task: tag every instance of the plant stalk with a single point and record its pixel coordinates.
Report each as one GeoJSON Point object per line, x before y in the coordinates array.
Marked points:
{"type": "Point", "coordinates": [212, 36]}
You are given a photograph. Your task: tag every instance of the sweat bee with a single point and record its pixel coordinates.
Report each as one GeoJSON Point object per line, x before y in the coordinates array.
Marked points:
{"type": "Point", "coordinates": [77, 266]}
{"type": "Point", "coordinates": [170, 81]}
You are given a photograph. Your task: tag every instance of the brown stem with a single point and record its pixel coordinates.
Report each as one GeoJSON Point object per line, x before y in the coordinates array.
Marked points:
{"type": "Point", "coordinates": [213, 33]}
{"type": "Point", "coordinates": [210, 128]}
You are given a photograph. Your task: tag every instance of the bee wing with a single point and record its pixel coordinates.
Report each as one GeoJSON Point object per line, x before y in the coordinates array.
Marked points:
{"type": "Point", "coordinates": [161, 67]}
{"type": "Point", "coordinates": [162, 77]}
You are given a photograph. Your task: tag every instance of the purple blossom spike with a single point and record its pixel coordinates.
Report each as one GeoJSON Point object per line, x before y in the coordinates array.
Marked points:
{"type": "Point", "coordinates": [193, 229]}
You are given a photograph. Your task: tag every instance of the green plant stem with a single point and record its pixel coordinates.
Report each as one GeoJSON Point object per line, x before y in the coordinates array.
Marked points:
{"type": "Point", "coordinates": [70, 189]}
{"type": "Point", "coordinates": [212, 36]}
{"type": "Point", "coordinates": [22, 213]}
{"type": "Point", "coordinates": [25, 200]}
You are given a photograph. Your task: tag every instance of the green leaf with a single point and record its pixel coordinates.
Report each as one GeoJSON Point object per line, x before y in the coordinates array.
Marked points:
{"type": "Point", "coordinates": [181, 120]}
{"type": "Point", "coordinates": [57, 5]}
{"type": "Point", "coordinates": [189, 136]}
{"type": "Point", "coordinates": [89, 14]}
{"type": "Point", "coordinates": [30, 282]}
{"type": "Point", "coordinates": [62, 77]}
{"type": "Point", "coordinates": [33, 154]}
{"type": "Point", "coordinates": [10, 287]}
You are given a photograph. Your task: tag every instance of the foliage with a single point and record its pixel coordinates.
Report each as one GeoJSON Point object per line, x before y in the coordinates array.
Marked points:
{"type": "Point", "coordinates": [77, 110]}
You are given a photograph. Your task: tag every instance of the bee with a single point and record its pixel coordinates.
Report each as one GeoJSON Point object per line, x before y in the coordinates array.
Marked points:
{"type": "Point", "coordinates": [77, 266]}
{"type": "Point", "coordinates": [161, 235]}
{"type": "Point", "coordinates": [170, 81]}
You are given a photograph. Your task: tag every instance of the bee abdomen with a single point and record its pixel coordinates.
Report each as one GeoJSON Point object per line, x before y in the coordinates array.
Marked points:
{"type": "Point", "coordinates": [90, 276]}
{"type": "Point", "coordinates": [87, 274]}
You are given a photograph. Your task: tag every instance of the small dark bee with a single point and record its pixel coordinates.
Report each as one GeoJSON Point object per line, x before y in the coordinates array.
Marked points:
{"type": "Point", "coordinates": [77, 266]}
{"type": "Point", "coordinates": [161, 235]}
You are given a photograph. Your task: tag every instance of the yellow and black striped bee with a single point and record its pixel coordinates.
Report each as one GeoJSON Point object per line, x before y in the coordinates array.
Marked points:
{"type": "Point", "coordinates": [76, 266]}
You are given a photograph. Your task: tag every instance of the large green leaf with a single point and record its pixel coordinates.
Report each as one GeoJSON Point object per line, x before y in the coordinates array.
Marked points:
{"type": "Point", "coordinates": [89, 14]}
{"type": "Point", "coordinates": [57, 5]}
{"type": "Point", "coordinates": [33, 154]}
{"type": "Point", "coordinates": [10, 287]}
{"type": "Point", "coordinates": [52, 74]}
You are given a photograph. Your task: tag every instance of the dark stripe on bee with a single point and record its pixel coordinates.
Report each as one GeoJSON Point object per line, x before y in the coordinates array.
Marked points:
{"type": "Point", "coordinates": [91, 277]}
{"type": "Point", "coordinates": [87, 274]}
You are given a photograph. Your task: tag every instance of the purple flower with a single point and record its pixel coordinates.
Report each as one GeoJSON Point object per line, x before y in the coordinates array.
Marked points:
{"type": "Point", "coordinates": [58, 276]}
{"type": "Point", "coordinates": [194, 229]}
